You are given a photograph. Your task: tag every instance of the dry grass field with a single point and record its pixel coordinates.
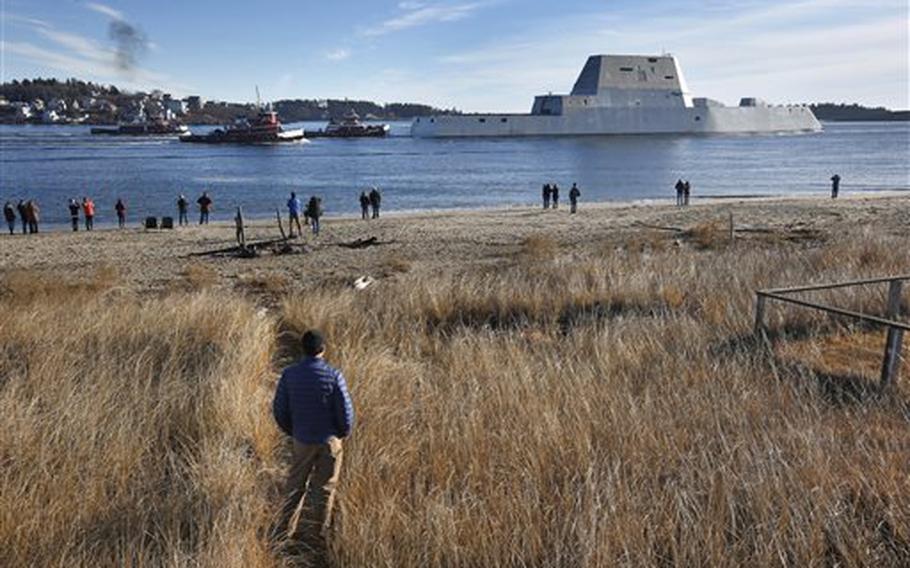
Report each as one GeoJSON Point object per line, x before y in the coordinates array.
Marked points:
{"type": "Point", "coordinates": [596, 408]}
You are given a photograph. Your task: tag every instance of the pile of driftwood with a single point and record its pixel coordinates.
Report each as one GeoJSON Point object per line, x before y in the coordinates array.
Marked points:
{"type": "Point", "coordinates": [252, 249]}
{"type": "Point", "coordinates": [279, 245]}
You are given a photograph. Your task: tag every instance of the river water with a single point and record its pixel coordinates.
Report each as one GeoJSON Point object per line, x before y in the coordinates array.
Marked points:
{"type": "Point", "coordinates": [53, 163]}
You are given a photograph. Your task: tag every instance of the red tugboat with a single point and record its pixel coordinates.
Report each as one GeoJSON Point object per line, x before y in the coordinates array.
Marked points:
{"type": "Point", "coordinates": [350, 127]}
{"type": "Point", "coordinates": [264, 129]}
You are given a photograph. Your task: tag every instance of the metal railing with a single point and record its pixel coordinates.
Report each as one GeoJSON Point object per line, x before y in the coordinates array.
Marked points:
{"type": "Point", "coordinates": [896, 329]}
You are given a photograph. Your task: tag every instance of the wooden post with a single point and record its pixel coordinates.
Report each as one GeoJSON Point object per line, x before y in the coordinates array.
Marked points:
{"type": "Point", "coordinates": [238, 221]}
{"type": "Point", "coordinates": [892, 361]}
{"type": "Point", "coordinates": [732, 234]}
{"type": "Point", "coordinates": [759, 313]}
{"type": "Point", "coordinates": [280, 226]}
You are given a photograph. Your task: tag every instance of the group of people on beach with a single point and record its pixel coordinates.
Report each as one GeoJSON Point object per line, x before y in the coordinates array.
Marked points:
{"type": "Point", "coordinates": [311, 213]}
{"type": "Point", "coordinates": [87, 208]}
{"type": "Point", "coordinates": [550, 194]}
{"type": "Point", "coordinates": [28, 212]}
{"type": "Point", "coordinates": [371, 200]}
{"type": "Point", "coordinates": [683, 190]}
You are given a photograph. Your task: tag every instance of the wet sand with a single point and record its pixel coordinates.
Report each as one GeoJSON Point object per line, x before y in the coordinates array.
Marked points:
{"type": "Point", "coordinates": [151, 261]}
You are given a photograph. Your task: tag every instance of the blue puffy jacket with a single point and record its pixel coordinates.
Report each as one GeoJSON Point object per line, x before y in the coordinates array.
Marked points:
{"type": "Point", "coordinates": [312, 402]}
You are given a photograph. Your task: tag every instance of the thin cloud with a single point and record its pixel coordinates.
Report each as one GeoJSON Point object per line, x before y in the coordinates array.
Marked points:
{"type": "Point", "coordinates": [339, 54]}
{"type": "Point", "coordinates": [34, 22]}
{"type": "Point", "coordinates": [105, 9]}
{"type": "Point", "coordinates": [419, 14]}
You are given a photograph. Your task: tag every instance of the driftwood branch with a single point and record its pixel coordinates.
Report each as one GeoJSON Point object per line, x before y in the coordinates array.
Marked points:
{"type": "Point", "coordinates": [364, 243]}
{"type": "Point", "coordinates": [659, 227]}
{"type": "Point", "coordinates": [280, 226]}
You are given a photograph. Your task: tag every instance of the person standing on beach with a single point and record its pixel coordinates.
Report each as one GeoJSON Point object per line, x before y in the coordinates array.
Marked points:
{"type": "Point", "coordinates": [375, 201]}
{"type": "Point", "coordinates": [205, 206]}
{"type": "Point", "coordinates": [120, 209]}
{"type": "Point", "coordinates": [546, 195]}
{"type": "Point", "coordinates": [687, 188]}
{"type": "Point", "coordinates": [574, 194]}
{"type": "Point", "coordinates": [314, 212]}
{"type": "Point", "coordinates": [9, 213]}
{"type": "Point", "coordinates": [554, 195]}
{"type": "Point", "coordinates": [21, 208]}
{"type": "Point", "coordinates": [88, 209]}
{"type": "Point", "coordinates": [312, 406]}
{"type": "Point", "coordinates": [32, 214]}
{"type": "Point", "coordinates": [835, 186]}
{"type": "Point", "coordinates": [294, 215]}
{"type": "Point", "coordinates": [183, 206]}
{"type": "Point", "coordinates": [364, 206]}
{"type": "Point", "coordinates": [74, 214]}
{"type": "Point", "coordinates": [680, 187]}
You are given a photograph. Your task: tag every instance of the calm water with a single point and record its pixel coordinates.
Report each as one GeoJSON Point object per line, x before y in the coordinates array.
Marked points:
{"type": "Point", "coordinates": [54, 163]}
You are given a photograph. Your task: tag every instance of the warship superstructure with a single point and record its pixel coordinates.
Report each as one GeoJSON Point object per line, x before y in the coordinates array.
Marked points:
{"type": "Point", "coordinates": [626, 94]}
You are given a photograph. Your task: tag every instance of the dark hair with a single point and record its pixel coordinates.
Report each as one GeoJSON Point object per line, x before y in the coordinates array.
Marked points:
{"type": "Point", "coordinates": [313, 343]}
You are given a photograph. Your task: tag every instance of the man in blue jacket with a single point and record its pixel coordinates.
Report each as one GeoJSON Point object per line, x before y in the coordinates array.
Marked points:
{"type": "Point", "coordinates": [313, 406]}
{"type": "Point", "coordinates": [294, 215]}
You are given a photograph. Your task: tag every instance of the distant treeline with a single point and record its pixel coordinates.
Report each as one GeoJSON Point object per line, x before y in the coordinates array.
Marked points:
{"type": "Point", "coordinates": [312, 109]}
{"type": "Point", "coordinates": [855, 112]}
{"type": "Point", "coordinates": [28, 90]}
{"type": "Point", "coordinates": [213, 112]}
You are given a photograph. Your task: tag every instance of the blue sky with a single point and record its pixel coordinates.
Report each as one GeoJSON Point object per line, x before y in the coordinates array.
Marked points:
{"type": "Point", "coordinates": [476, 55]}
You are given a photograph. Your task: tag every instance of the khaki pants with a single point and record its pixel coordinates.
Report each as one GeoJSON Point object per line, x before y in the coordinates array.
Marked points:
{"type": "Point", "coordinates": [310, 491]}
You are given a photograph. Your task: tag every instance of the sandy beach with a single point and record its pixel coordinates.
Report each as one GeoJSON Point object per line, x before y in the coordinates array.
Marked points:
{"type": "Point", "coordinates": [458, 240]}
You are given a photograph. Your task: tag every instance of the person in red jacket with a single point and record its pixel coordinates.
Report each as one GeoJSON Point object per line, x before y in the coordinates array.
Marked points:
{"type": "Point", "coordinates": [88, 210]}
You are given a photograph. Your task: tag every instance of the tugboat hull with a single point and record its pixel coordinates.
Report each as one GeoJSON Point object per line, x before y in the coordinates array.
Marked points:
{"type": "Point", "coordinates": [371, 131]}
{"type": "Point", "coordinates": [233, 137]}
{"type": "Point", "coordinates": [143, 130]}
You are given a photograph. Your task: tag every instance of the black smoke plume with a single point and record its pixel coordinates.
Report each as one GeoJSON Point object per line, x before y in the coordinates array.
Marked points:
{"type": "Point", "coordinates": [130, 44]}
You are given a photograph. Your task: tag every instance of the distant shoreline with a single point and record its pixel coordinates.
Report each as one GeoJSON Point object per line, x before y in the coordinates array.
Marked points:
{"type": "Point", "coordinates": [896, 116]}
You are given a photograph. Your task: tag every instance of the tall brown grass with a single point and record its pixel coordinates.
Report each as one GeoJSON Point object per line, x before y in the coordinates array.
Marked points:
{"type": "Point", "coordinates": [133, 432]}
{"type": "Point", "coordinates": [593, 412]}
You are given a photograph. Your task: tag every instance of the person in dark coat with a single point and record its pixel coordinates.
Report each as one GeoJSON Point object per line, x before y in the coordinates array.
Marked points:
{"type": "Point", "coordinates": [20, 207]}
{"type": "Point", "coordinates": [183, 205]}
{"type": "Point", "coordinates": [32, 215]}
{"type": "Point", "coordinates": [9, 213]}
{"type": "Point", "coordinates": [546, 195]}
{"type": "Point", "coordinates": [574, 194]}
{"type": "Point", "coordinates": [835, 186]}
{"type": "Point", "coordinates": [680, 186]}
{"type": "Point", "coordinates": [375, 201]}
{"type": "Point", "coordinates": [314, 212]}
{"type": "Point", "coordinates": [687, 189]}
{"type": "Point", "coordinates": [74, 214]}
{"type": "Point", "coordinates": [120, 209]}
{"type": "Point", "coordinates": [554, 195]}
{"type": "Point", "coordinates": [205, 207]}
{"type": "Point", "coordinates": [364, 205]}
{"type": "Point", "coordinates": [312, 406]}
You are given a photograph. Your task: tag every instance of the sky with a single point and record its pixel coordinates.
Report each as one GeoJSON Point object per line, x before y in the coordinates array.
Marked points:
{"type": "Point", "coordinates": [474, 55]}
